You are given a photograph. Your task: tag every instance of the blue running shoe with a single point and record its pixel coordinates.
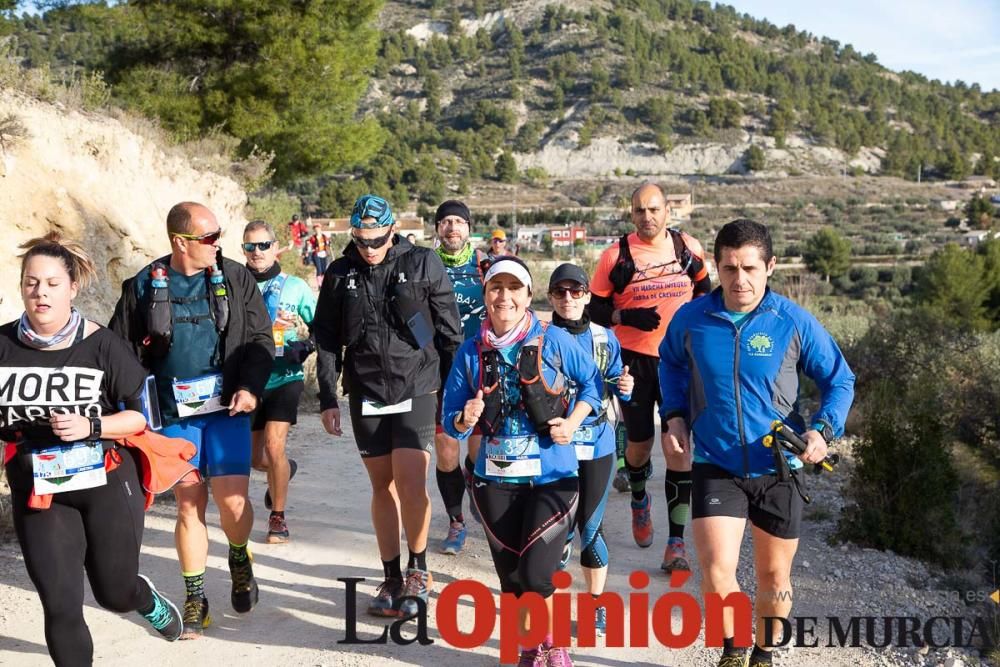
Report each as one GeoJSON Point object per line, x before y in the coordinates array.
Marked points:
{"type": "Point", "coordinates": [456, 539]}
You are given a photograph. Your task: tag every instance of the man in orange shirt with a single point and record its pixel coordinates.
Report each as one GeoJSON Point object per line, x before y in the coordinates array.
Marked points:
{"type": "Point", "coordinates": [638, 285]}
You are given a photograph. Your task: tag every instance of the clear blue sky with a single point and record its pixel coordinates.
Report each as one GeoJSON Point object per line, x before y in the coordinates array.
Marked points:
{"type": "Point", "coordinates": [941, 39]}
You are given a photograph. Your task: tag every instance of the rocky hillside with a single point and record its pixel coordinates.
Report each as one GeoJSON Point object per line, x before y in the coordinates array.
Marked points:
{"type": "Point", "coordinates": [95, 179]}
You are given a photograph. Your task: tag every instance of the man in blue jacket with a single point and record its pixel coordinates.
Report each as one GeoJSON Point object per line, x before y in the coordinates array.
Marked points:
{"type": "Point", "coordinates": [729, 367]}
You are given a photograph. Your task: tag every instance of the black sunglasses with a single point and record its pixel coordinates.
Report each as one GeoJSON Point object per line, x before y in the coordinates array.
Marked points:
{"type": "Point", "coordinates": [259, 245]}
{"type": "Point", "coordinates": [575, 292]}
{"type": "Point", "coordinates": [374, 243]}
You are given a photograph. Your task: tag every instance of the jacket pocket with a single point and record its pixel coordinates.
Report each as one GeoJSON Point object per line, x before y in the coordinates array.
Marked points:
{"type": "Point", "coordinates": [411, 314]}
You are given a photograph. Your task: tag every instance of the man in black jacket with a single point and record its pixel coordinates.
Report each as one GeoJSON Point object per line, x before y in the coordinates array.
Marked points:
{"type": "Point", "coordinates": [198, 323]}
{"type": "Point", "coordinates": [386, 315]}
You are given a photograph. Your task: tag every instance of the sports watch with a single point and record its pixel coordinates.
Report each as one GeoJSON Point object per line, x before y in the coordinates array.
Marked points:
{"type": "Point", "coordinates": [824, 428]}
{"type": "Point", "coordinates": [95, 428]}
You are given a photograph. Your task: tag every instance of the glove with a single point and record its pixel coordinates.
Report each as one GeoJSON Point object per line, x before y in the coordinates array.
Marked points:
{"type": "Point", "coordinates": [643, 319]}
{"type": "Point", "coordinates": [298, 351]}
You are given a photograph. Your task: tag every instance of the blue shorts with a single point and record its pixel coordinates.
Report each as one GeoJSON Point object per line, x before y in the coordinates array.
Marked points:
{"type": "Point", "coordinates": [222, 442]}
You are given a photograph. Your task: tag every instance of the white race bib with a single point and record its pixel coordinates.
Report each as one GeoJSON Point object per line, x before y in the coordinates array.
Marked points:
{"type": "Point", "coordinates": [198, 396]}
{"type": "Point", "coordinates": [513, 456]}
{"type": "Point", "coordinates": [70, 467]}
{"type": "Point", "coordinates": [371, 408]}
{"type": "Point", "coordinates": [583, 440]}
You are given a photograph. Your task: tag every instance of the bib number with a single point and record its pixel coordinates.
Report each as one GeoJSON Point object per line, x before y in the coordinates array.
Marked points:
{"type": "Point", "coordinates": [371, 408]}
{"type": "Point", "coordinates": [70, 467]}
{"type": "Point", "coordinates": [279, 341]}
{"type": "Point", "coordinates": [583, 442]}
{"type": "Point", "coordinates": [198, 396]}
{"type": "Point", "coordinates": [513, 456]}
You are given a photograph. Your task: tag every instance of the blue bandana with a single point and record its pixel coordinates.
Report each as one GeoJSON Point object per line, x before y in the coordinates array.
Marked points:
{"type": "Point", "coordinates": [371, 206]}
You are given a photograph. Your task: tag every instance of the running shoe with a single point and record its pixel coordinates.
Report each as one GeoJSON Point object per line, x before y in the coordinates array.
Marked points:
{"type": "Point", "coordinates": [196, 617]}
{"type": "Point", "coordinates": [456, 539]}
{"type": "Point", "coordinates": [277, 530]}
{"type": "Point", "coordinates": [165, 617]}
{"type": "Point", "coordinates": [642, 522]}
{"type": "Point", "coordinates": [739, 660]}
{"type": "Point", "coordinates": [674, 556]}
{"type": "Point", "coordinates": [760, 663]}
{"type": "Point", "coordinates": [621, 482]}
{"type": "Point", "coordinates": [473, 510]}
{"type": "Point", "coordinates": [601, 621]}
{"type": "Point", "coordinates": [532, 657]}
{"type": "Point", "coordinates": [557, 657]}
{"type": "Point", "coordinates": [417, 585]}
{"type": "Point", "coordinates": [293, 468]}
{"type": "Point", "coordinates": [567, 553]}
{"type": "Point", "coordinates": [385, 602]}
{"type": "Point", "coordinates": [245, 591]}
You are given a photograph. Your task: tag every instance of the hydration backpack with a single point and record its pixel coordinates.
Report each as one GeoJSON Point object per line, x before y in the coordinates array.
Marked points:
{"type": "Point", "coordinates": [624, 269]}
{"type": "Point", "coordinates": [159, 315]}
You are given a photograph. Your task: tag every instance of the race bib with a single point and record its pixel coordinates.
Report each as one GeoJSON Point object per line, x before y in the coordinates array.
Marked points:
{"type": "Point", "coordinates": [583, 440]}
{"type": "Point", "coordinates": [513, 456]}
{"type": "Point", "coordinates": [69, 467]}
{"type": "Point", "coordinates": [198, 396]}
{"type": "Point", "coordinates": [371, 408]}
{"type": "Point", "coordinates": [279, 341]}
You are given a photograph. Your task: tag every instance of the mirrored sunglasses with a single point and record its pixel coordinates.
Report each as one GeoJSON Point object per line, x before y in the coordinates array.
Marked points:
{"type": "Point", "coordinates": [575, 292]}
{"type": "Point", "coordinates": [259, 245]}
{"type": "Point", "coordinates": [374, 243]}
{"type": "Point", "coordinates": [204, 239]}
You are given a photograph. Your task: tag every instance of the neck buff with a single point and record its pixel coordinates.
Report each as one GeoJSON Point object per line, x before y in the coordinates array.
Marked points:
{"type": "Point", "coordinates": [266, 274]}
{"type": "Point", "coordinates": [573, 326]}
{"type": "Point", "coordinates": [34, 340]}
{"type": "Point", "coordinates": [462, 257]}
{"type": "Point", "coordinates": [517, 333]}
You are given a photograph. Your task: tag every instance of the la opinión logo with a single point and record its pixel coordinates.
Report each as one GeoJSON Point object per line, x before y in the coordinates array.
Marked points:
{"type": "Point", "coordinates": [641, 616]}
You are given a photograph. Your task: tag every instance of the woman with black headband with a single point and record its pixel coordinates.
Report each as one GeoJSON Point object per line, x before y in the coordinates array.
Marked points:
{"type": "Point", "coordinates": [78, 501]}
{"type": "Point", "coordinates": [386, 315]}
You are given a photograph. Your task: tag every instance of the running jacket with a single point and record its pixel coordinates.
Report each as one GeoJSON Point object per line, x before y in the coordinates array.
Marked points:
{"type": "Point", "coordinates": [361, 324]}
{"type": "Point", "coordinates": [577, 364]}
{"type": "Point", "coordinates": [732, 382]}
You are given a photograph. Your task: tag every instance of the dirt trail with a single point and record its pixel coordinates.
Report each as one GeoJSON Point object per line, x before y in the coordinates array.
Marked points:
{"type": "Point", "coordinates": [301, 615]}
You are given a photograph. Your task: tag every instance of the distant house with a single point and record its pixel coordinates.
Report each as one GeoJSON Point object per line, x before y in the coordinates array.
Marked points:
{"type": "Point", "coordinates": [530, 236]}
{"type": "Point", "coordinates": [949, 204]}
{"type": "Point", "coordinates": [567, 236]}
{"type": "Point", "coordinates": [681, 206]}
{"type": "Point", "coordinates": [974, 238]}
{"type": "Point", "coordinates": [405, 225]}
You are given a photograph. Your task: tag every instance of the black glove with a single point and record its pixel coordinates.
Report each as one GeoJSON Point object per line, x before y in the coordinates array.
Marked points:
{"type": "Point", "coordinates": [298, 351]}
{"type": "Point", "coordinates": [643, 319]}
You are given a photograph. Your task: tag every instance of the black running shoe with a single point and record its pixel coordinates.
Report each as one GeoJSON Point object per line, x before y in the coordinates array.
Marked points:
{"type": "Point", "coordinates": [196, 617]}
{"type": "Point", "coordinates": [165, 617]}
{"type": "Point", "coordinates": [293, 468]}
{"type": "Point", "coordinates": [245, 592]}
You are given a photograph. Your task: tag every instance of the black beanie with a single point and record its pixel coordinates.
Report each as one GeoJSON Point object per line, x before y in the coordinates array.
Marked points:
{"type": "Point", "coordinates": [452, 207]}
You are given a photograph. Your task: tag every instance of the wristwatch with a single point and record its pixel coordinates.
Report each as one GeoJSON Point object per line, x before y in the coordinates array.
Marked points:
{"type": "Point", "coordinates": [824, 428]}
{"type": "Point", "coordinates": [95, 428]}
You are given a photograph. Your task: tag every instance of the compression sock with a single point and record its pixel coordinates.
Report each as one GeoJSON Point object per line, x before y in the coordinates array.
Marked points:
{"type": "Point", "coordinates": [390, 568]}
{"type": "Point", "coordinates": [760, 656]}
{"type": "Point", "coordinates": [238, 552]}
{"type": "Point", "coordinates": [729, 648]}
{"type": "Point", "coordinates": [678, 489]}
{"type": "Point", "coordinates": [194, 583]}
{"type": "Point", "coordinates": [418, 560]}
{"type": "Point", "coordinates": [452, 487]}
{"type": "Point", "coordinates": [637, 480]}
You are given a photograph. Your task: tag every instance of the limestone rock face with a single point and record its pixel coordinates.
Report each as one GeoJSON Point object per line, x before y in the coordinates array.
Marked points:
{"type": "Point", "coordinates": [94, 179]}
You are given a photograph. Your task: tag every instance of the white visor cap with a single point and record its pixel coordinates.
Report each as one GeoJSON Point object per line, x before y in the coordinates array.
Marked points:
{"type": "Point", "coordinates": [510, 267]}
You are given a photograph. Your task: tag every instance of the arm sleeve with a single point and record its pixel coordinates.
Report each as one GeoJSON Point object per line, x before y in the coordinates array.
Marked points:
{"type": "Point", "coordinates": [600, 309]}
{"type": "Point", "coordinates": [457, 390]}
{"type": "Point", "coordinates": [674, 370]}
{"type": "Point", "coordinates": [825, 364]}
{"type": "Point", "coordinates": [444, 313]}
{"type": "Point", "coordinates": [326, 330]}
{"type": "Point", "coordinates": [258, 353]}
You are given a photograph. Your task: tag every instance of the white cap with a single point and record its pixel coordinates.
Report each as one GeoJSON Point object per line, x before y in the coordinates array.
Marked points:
{"type": "Point", "coordinates": [510, 267]}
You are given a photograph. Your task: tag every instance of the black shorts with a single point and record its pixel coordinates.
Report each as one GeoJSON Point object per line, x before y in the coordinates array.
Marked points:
{"type": "Point", "coordinates": [639, 411]}
{"type": "Point", "coordinates": [379, 435]}
{"type": "Point", "coordinates": [772, 505]}
{"type": "Point", "coordinates": [280, 404]}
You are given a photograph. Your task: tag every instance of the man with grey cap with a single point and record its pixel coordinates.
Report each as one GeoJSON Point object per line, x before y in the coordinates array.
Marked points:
{"type": "Point", "coordinates": [386, 316]}
{"type": "Point", "coordinates": [465, 266]}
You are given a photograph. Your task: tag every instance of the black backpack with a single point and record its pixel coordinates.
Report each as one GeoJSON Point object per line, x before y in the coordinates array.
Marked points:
{"type": "Point", "coordinates": [624, 269]}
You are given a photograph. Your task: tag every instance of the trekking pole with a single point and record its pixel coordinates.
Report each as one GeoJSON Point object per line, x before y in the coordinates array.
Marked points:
{"type": "Point", "coordinates": [793, 442]}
